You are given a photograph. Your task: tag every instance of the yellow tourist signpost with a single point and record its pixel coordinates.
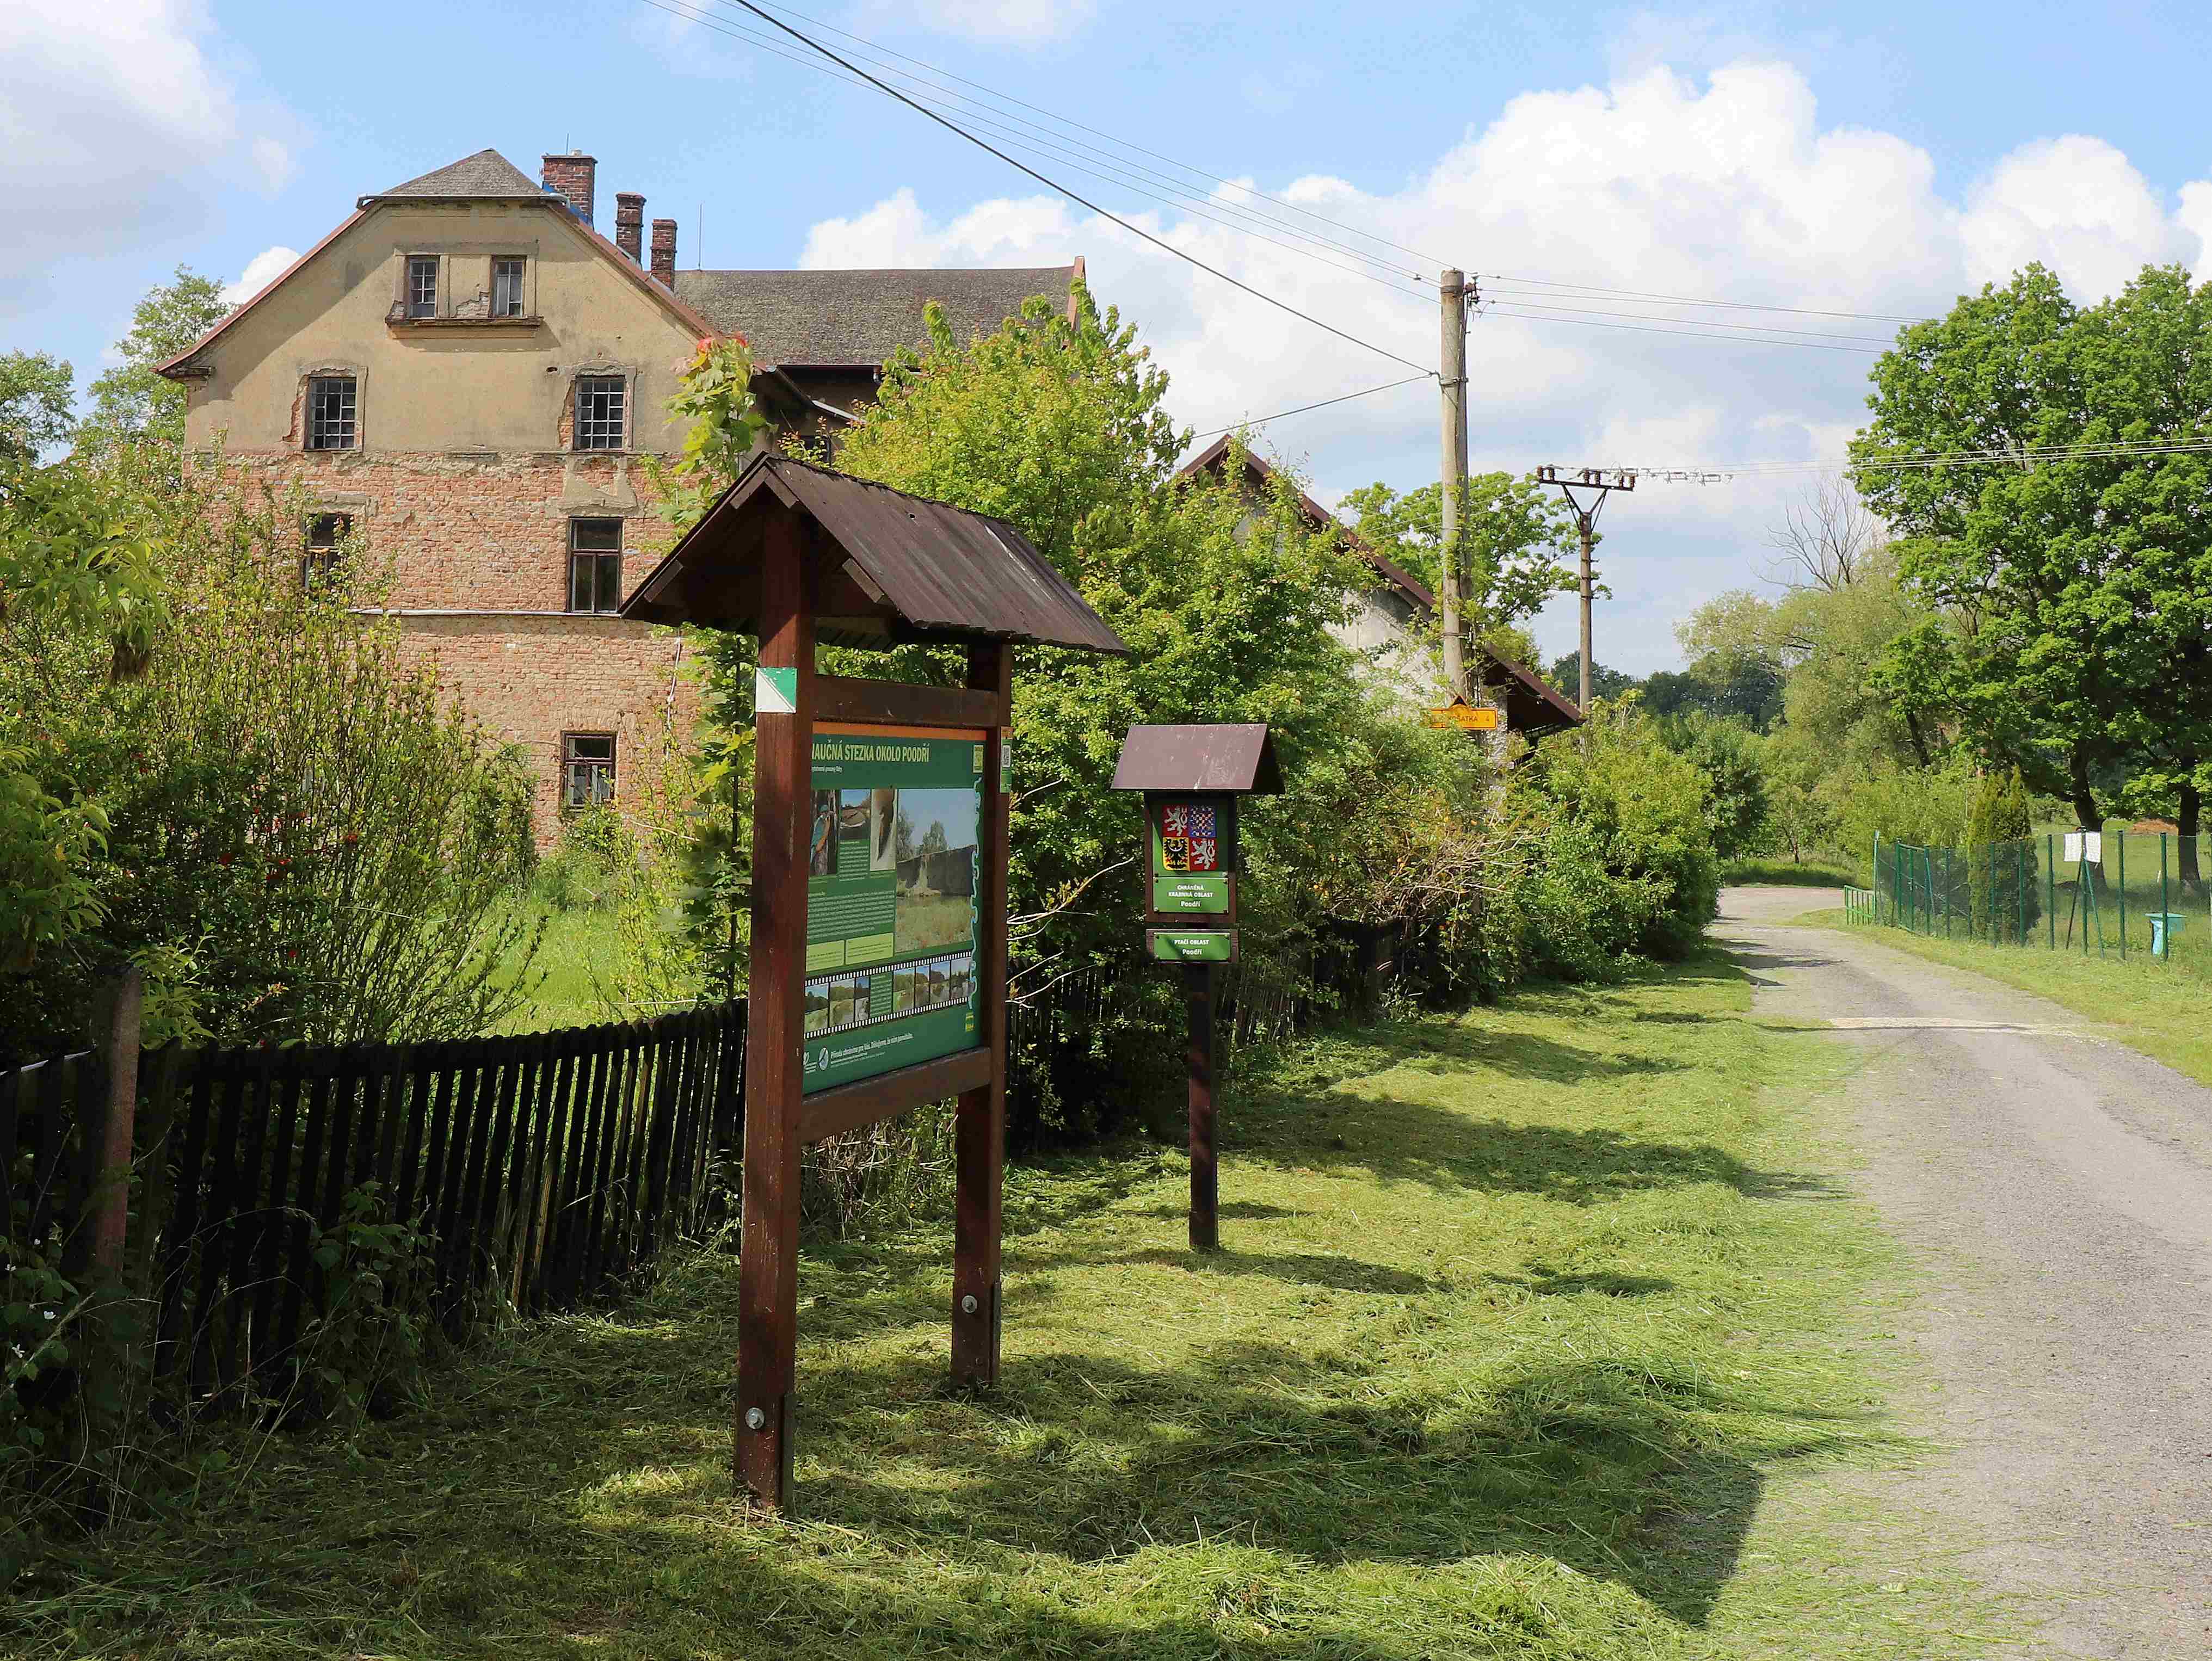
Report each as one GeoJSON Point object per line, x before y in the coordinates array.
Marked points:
{"type": "Point", "coordinates": [1468, 718]}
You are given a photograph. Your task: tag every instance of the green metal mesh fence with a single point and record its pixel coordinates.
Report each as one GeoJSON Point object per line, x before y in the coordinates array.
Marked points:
{"type": "Point", "coordinates": [2115, 893]}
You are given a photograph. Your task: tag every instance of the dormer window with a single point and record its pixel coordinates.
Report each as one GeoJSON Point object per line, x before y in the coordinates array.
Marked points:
{"type": "Point", "coordinates": [422, 285]}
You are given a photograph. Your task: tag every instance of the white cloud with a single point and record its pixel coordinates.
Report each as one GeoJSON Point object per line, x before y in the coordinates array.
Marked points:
{"type": "Point", "coordinates": [263, 268]}
{"type": "Point", "coordinates": [2080, 207]}
{"type": "Point", "coordinates": [999, 22]}
{"type": "Point", "coordinates": [1727, 187]}
{"type": "Point", "coordinates": [114, 126]}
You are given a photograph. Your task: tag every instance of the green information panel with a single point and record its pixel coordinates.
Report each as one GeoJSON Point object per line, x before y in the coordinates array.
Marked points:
{"type": "Point", "coordinates": [1202, 946]}
{"type": "Point", "coordinates": [1190, 894]}
{"type": "Point", "coordinates": [891, 878]}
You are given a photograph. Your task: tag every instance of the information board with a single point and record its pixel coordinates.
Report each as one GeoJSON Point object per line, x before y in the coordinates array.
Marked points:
{"type": "Point", "coordinates": [1190, 856]}
{"type": "Point", "coordinates": [891, 900]}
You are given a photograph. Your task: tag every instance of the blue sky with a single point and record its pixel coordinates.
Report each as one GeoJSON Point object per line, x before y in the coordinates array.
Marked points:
{"type": "Point", "coordinates": [1873, 158]}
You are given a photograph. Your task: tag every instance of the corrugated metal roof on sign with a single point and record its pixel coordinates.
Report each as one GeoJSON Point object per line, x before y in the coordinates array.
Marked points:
{"type": "Point", "coordinates": [934, 570]}
{"type": "Point", "coordinates": [1230, 756]}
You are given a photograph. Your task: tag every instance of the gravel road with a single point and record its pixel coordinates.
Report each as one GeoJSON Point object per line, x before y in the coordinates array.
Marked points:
{"type": "Point", "coordinates": [2057, 1191]}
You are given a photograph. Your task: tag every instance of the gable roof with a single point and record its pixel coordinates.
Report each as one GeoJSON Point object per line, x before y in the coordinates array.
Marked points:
{"type": "Point", "coordinates": [860, 318]}
{"type": "Point", "coordinates": [1531, 703]}
{"type": "Point", "coordinates": [894, 567]}
{"type": "Point", "coordinates": [1260, 476]}
{"type": "Point", "coordinates": [485, 176]}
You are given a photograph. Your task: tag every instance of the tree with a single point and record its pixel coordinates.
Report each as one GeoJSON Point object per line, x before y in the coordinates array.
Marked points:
{"type": "Point", "coordinates": [1823, 538]}
{"type": "Point", "coordinates": [1605, 682]}
{"type": "Point", "coordinates": [1515, 539]}
{"type": "Point", "coordinates": [35, 390]}
{"type": "Point", "coordinates": [1729, 756]}
{"type": "Point", "coordinates": [1058, 426]}
{"type": "Point", "coordinates": [131, 404]}
{"type": "Point", "coordinates": [2038, 654]}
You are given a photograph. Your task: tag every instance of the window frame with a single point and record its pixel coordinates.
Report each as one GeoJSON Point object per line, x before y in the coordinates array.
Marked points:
{"type": "Point", "coordinates": [413, 306]}
{"type": "Point", "coordinates": [315, 432]}
{"type": "Point", "coordinates": [520, 300]}
{"type": "Point", "coordinates": [597, 386]}
{"type": "Point", "coordinates": [570, 762]}
{"type": "Point", "coordinates": [602, 559]}
{"type": "Point", "coordinates": [319, 560]}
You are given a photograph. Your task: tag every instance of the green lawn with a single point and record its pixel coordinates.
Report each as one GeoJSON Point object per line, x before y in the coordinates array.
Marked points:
{"type": "Point", "coordinates": [1543, 1332]}
{"type": "Point", "coordinates": [2157, 1008]}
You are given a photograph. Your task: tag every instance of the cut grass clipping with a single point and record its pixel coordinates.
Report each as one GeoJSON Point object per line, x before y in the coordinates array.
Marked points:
{"type": "Point", "coordinates": [1540, 1333]}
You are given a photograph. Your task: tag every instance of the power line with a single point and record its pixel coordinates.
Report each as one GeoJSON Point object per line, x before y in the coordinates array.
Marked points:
{"type": "Point", "coordinates": [1565, 289]}
{"type": "Point", "coordinates": [1686, 334]}
{"type": "Point", "coordinates": [1643, 296]}
{"type": "Point", "coordinates": [1928, 460]}
{"type": "Point", "coordinates": [1035, 140]}
{"type": "Point", "coordinates": [1261, 421]}
{"type": "Point", "coordinates": [1097, 132]}
{"type": "Point", "coordinates": [1794, 336]}
{"type": "Point", "coordinates": [954, 127]}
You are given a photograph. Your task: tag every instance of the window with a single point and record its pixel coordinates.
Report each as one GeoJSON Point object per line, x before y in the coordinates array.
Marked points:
{"type": "Point", "coordinates": [507, 287]}
{"type": "Point", "coordinates": [600, 402]}
{"type": "Point", "coordinates": [325, 543]}
{"type": "Point", "coordinates": [594, 565]}
{"type": "Point", "coordinates": [330, 412]}
{"type": "Point", "coordinates": [587, 768]}
{"type": "Point", "coordinates": [422, 285]}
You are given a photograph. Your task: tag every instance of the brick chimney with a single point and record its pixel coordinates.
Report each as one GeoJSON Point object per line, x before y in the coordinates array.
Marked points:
{"type": "Point", "coordinates": [572, 177]}
{"type": "Point", "coordinates": [664, 253]}
{"type": "Point", "coordinates": [630, 224]}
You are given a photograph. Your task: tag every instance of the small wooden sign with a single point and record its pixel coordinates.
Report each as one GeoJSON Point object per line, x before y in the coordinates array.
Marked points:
{"type": "Point", "coordinates": [1192, 946]}
{"type": "Point", "coordinates": [1468, 718]}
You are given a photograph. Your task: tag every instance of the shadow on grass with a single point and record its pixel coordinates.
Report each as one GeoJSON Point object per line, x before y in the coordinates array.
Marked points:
{"type": "Point", "coordinates": [1327, 1269]}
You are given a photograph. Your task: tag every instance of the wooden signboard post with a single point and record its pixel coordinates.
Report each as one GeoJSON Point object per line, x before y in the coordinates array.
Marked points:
{"type": "Point", "coordinates": [1192, 777]}
{"type": "Point", "coordinates": [879, 841]}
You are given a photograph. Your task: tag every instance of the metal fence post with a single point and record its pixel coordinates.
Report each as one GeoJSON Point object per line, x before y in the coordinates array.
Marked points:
{"type": "Point", "coordinates": [2050, 887]}
{"type": "Point", "coordinates": [2123, 896]}
{"type": "Point", "coordinates": [2165, 915]}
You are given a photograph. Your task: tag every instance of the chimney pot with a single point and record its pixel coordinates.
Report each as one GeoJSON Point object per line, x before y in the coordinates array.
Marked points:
{"type": "Point", "coordinates": [664, 253]}
{"type": "Point", "coordinates": [572, 177]}
{"type": "Point", "coordinates": [630, 225]}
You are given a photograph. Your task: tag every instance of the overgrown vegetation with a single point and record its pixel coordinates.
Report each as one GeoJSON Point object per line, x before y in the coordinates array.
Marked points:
{"type": "Point", "coordinates": [212, 767]}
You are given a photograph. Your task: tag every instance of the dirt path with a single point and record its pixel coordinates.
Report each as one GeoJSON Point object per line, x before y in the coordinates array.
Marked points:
{"type": "Point", "coordinates": [2057, 1189]}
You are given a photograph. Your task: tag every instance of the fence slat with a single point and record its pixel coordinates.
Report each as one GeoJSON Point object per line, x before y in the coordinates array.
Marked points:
{"type": "Point", "coordinates": [180, 1232]}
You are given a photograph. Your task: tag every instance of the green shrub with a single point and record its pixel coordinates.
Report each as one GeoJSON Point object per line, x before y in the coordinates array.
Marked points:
{"type": "Point", "coordinates": [283, 802]}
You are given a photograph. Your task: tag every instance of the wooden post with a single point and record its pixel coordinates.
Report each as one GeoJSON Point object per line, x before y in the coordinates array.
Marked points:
{"type": "Point", "coordinates": [783, 753]}
{"type": "Point", "coordinates": [980, 1134]}
{"type": "Point", "coordinates": [1198, 984]}
{"type": "Point", "coordinates": [112, 1192]}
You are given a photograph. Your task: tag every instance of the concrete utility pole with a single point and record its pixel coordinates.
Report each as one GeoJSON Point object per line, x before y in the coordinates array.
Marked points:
{"type": "Point", "coordinates": [1454, 290]}
{"type": "Point", "coordinates": [1594, 480]}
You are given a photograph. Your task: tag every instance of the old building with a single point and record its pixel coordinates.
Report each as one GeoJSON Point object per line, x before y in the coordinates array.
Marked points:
{"type": "Point", "coordinates": [1395, 623]}
{"type": "Point", "coordinates": [462, 382]}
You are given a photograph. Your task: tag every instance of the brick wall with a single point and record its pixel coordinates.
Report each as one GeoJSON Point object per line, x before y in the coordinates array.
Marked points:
{"type": "Point", "coordinates": [483, 535]}
{"type": "Point", "coordinates": [486, 539]}
{"type": "Point", "coordinates": [530, 680]}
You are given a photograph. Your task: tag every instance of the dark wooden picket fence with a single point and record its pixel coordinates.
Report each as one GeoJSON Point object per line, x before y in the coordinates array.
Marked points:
{"type": "Point", "coordinates": [544, 1170]}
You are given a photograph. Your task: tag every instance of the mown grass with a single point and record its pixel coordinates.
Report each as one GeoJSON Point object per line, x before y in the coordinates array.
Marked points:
{"type": "Point", "coordinates": [1546, 1332]}
{"type": "Point", "coordinates": [2149, 1005]}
